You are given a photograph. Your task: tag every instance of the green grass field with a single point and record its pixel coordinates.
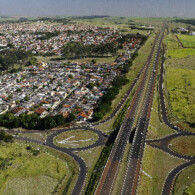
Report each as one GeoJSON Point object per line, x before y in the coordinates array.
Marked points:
{"type": "Point", "coordinates": [181, 86]}
{"type": "Point", "coordinates": [76, 139]}
{"type": "Point", "coordinates": [185, 182]}
{"type": "Point", "coordinates": [155, 170]}
{"type": "Point", "coordinates": [181, 53]}
{"type": "Point", "coordinates": [184, 145]}
{"type": "Point", "coordinates": [187, 40]}
{"type": "Point", "coordinates": [23, 173]}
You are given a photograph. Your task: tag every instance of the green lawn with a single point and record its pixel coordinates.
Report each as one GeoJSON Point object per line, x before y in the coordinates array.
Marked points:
{"type": "Point", "coordinates": [185, 182]}
{"type": "Point", "coordinates": [187, 40]}
{"type": "Point", "coordinates": [76, 138]}
{"type": "Point", "coordinates": [181, 87]}
{"type": "Point", "coordinates": [155, 168]}
{"type": "Point", "coordinates": [184, 145]}
{"type": "Point", "coordinates": [23, 173]}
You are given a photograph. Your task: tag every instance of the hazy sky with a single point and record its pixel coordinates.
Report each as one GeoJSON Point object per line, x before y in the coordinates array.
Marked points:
{"type": "Point", "coordinates": [181, 8]}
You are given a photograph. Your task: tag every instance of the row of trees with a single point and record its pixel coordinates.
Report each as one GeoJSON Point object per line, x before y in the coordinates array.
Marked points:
{"type": "Point", "coordinates": [104, 105]}
{"type": "Point", "coordinates": [78, 50]}
{"type": "Point", "coordinates": [33, 121]}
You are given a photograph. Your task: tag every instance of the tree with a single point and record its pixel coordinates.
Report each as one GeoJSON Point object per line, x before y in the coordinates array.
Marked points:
{"type": "Point", "coordinates": [59, 119]}
{"type": "Point", "coordinates": [71, 117]}
{"type": "Point", "coordinates": [47, 123]}
{"type": "Point", "coordinates": [93, 61]}
{"type": "Point", "coordinates": [90, 86]}
{"type": "Point", "coordinates": [70, 76]}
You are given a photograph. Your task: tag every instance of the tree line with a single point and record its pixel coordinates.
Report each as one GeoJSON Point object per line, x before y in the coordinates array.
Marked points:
{"type": "Point", "coordinates": [33, 121]}
{"type": "Point", "coordinates": [104, 105]}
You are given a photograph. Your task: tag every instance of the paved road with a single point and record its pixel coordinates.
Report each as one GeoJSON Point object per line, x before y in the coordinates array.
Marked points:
{"type": "Point", "coordinates": [164, 142]}
{"type": "Point", "coordinates": [136, 154]}
{"type": "Point", "coordinates": [170, 180]}
{"type": "Point", "coordinates": [110, 171]}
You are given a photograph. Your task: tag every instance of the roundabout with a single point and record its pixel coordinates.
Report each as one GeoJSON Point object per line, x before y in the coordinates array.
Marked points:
{"type": "Point", "coordinates": [76, 139]}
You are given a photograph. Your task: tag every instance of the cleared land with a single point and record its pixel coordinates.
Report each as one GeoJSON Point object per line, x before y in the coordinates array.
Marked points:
{"type": "Point", "coordinates": [187, 40]}
{"type": "Point", "coordinates": [24, 173]}
{"type": "Point", "coordinates": [76, 139]}
{"type": "Point", "coordinates": [155, 170]}
{"type": "Point", "coordinates": [184, 145]}
{"type": "Point", "coordinates": [185, 178]}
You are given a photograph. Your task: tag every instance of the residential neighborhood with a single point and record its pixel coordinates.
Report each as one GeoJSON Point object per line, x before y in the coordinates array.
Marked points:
{"type": "Point", "coordinates": [59, 88]}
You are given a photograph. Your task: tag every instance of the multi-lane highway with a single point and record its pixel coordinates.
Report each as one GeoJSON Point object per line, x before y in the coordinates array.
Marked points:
{"type": "Point", "coordinates": [110, 171]}
{"type": "Point", "coordinates": [143, 98]}
{"type": "Point", "coordinates": [135, 157]}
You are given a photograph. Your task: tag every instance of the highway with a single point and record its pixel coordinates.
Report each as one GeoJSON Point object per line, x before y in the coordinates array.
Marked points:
{"type": "Point", "coordinates": [136, 154]}
{"type": "Point", "coordinates": [110, 171]}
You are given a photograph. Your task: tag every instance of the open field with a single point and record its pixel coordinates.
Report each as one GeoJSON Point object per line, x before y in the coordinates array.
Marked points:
{"type": "Point", "coordinates": [184, 63]}
{"type": "Point", "coordinates": [187, 40]}
{"type": "Point", "coordinates": [183, 145]}
{"type": "Point", "coordinates": [185, 178]}
{"type": "Point", "coordinates": [90, 157]}
{"type": "Point", "coordinates": [25, 173]}
{"type": "Point", "coordinates": [181, 53]}
{"type": "Point", "coordinates": [76, 138]}
{"type": "Point", "coordinates": [181, 87]}
{"type": "Point", "coordinates": [155, 170]}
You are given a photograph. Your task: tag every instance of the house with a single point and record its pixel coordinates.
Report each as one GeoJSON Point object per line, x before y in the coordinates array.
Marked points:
{"type": "Point", "coordinates": [42, 112]}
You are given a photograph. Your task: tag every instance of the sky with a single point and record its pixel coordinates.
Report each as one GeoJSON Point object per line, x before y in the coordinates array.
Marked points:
{"type": "Point", "coordinates": [138, 8]}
